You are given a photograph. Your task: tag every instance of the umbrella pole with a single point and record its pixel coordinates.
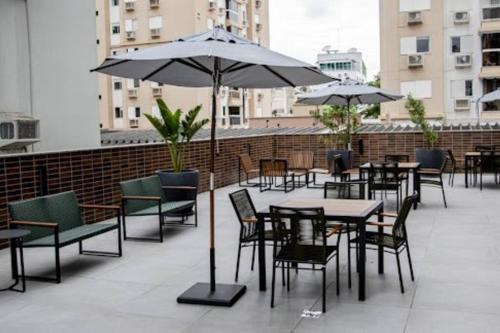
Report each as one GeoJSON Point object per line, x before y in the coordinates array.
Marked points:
{"type": "Point", "coordinates": [212, 293]}
{"type": "Point", "coordinates": [349, 143]}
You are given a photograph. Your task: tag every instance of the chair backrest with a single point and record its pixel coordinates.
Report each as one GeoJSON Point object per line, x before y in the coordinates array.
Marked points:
{"type": "Point", "coordinates": [345, 190]}
{"type": "Point", "coordinates": [61, 208]}
{"type": "Point", "coordinates": [444, 164]}
{"type": "Point", "coordinates": [274, 168]}
{"type": "Point", "coordinates": [147, 186]}
{"type": "Point", "coordinates": [452, 157]}
{"type": "Point", "coordinates": [485, 147]}
{"type": "Point", "coordinates": [306, 226]}
{"type": "Point", "coordinates": [301, 160]}
{"type": "Point", "coordinates": [338, 165]}
{"type": "Point", "coordinates": [399, 228]}
{"type": "Point", "coordinates": [384, 172]}
{"type": "Point", "coordinates": [245, 211]}
{"type": "Point", "coordinates": [246, 163]}
{"type": "Point", "coordinates": [397, 158]}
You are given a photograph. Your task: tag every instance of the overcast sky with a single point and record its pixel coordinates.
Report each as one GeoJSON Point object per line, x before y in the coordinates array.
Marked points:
{"type": "Point", "coordinates": [301, 28]}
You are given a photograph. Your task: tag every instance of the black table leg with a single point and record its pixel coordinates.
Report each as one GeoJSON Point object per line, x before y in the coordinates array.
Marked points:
{"type": "Point", "coordinates": [380, 247]}
{"type": "Point", "coordinates": [416, 187]}
{"type": "Point", "coordinates": [13, 259]}
{"type": "Point", "coordinates": [362, 261]}
{"type": "Point", "coordinates": [466, 162]}
{"type": "Point", "coordinates": [262, 254]}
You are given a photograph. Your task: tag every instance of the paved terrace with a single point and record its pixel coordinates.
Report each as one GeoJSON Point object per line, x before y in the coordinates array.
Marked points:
{"type": "Point", "coordinates": [455, 252]}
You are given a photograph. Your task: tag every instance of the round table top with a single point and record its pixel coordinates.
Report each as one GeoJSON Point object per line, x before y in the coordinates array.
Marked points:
{"type": "Point", "coordinates": [13, 233]}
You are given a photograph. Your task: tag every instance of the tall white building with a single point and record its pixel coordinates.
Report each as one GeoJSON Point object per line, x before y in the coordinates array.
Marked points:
{"type": "Point", "coordinates": [343, 65]}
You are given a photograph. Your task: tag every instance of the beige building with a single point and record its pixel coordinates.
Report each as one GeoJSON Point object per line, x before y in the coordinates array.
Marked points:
{"type": "Point", "coordinates": [128, 25]}
{"type": "Point", "coordinates": [444, 52]}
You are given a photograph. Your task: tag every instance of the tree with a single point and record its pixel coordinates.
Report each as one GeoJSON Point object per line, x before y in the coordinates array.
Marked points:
{"type": "Point", "coordinates": [334, 118]}
{"type": "Point", "coordinates": [373, 111]}
{"type": "Point", "coordinates": [416, 110]}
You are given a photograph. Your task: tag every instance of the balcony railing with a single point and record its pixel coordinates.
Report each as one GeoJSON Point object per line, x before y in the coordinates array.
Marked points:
{"type": "Point", "coordinates": [235, 120]}
{"type": "Point", "coordinates": [491, 57]}
{"type": "Point", "coordinates": [491, 12]}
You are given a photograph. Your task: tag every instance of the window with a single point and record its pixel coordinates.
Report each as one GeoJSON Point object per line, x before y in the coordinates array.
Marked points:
{"type": "Point", "coordinates": [155, 22]}
{"type": "Point", "coordinates": [462, 44]}
{"type": "Point", "coordinates": [414, 5]}
{"type": "Point", "coordinates": [137, 112]}
{"type": "Point", "coordinates": [134, 112]}
{"type": "Point", "coordinates": [137, 83]}
{"type": "Point", "coordinates": [423, 44]}
{"type": "Point", "coordinates": [114, 53]}
{"type": "Point", "coordinates": [468, 88]}
{"type": "Point", "coordinates": [461, 88]}
{"type": "Point", "coordinates": [117, 85]}
{"type": "Point", "coordinates": [115, 28]}
{"type": "Point", "coordinates": [115, 3]}
{"type": "Point", "coordinates": [131, 25]}
{"type": "Point", "coordinates": [155, 111]}
{"type": "Point", "coordinates": [118, 113]}
{"type": "Point", "coordinates": [6, 131]}
{"type": "Point", "coordinates": [455, 44]}
{"type": "Point", "coordinates": [418, 89]}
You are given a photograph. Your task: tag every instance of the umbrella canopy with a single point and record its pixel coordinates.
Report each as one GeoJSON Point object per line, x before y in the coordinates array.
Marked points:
{"type": "Point", "coordinates": [190, 62]}
{"type": "Point", "coordinates": [348, 93]}
{"type": "Point", "coordinates": [493, 96]}
{"type": "Point", "coordinates": [213, 59]}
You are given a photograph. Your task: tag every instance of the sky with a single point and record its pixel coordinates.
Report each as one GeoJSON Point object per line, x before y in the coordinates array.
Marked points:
{"type": "Point", "coordinates": [301, 28]}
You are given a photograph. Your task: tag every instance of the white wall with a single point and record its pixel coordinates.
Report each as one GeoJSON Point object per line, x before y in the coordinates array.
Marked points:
{"type": "Point", "coordinates": [65, 94]}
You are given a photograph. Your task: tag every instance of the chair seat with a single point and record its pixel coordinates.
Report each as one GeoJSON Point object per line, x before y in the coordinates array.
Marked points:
{"type": "Point", "coordinates": [298, 172]}
{"type": "Point", "coordinates": [386, 240]}
{"type": "Point", "coordinates": [305, 254]}
{"type": "Point", "coordinates": [354, 171]}
{"type": "Point", "coordinates": [167, 207]}
{"type": "Point", "coordinates": [252, 171]}
{"type": "Point", "coordinates": [345, 229]}
{"type": "Point", "coordinates": [320, 171]}
{"type": "Point", "coordinates": [429, 171]}
{"type": "Point", "coordinates": [385, 186]}
{"type": "Point", "coordinates": [73, 235]}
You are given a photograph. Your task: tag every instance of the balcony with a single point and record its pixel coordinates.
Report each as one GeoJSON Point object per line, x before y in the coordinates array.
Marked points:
{"type": "Point", "coordinates": [491, 64]}
{"type": "Point", "coordinates": [490, 18]}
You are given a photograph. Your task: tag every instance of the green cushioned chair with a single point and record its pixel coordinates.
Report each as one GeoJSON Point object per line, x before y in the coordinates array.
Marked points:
{"type": "Point", "coordinates": [56, 221]}
{"type": "Point", "coordinates": [146, 197]}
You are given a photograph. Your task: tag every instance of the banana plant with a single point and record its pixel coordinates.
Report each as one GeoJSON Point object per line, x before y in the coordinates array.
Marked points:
{"type": "Point", "coordinates": [176, 131]}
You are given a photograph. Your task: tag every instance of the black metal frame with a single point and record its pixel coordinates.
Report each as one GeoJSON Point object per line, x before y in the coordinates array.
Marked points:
{"type": "Point", "coordinates": [57, 247]}
{"type": "Point", "coordinates": [386, 183]}
{"type": "Point", "coordinates": [247, 182]}
{"type": "Point", "coordinates": [161, 218]}
{"type": "Point", "coordinates": [435, 180]}
{"type": "Point", "coordinates": [16, 243]}
{"type": "Point", "coordinates": [269, 181]}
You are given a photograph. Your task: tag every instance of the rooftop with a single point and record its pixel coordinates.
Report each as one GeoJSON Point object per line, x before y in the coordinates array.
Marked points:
{"type": "Point", "coordinates": [455, 253]}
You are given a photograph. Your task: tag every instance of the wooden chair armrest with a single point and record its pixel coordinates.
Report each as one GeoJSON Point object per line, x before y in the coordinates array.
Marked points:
{"type": "Point", "coordinates": [379, 224]}
{"type": "Point", "coordinates": [135, 197]}
{"type": "Point", "coordinates": [388, 214]}
{"type": "Point", "coordinates": [179, 188]}
{"type": "Point", "coordinates": [333, 230]}
{"type": "Point", "coordinates": [91, 206]}
{"type": "Point", "coordinates": [34, 224]}
{"type": "Point", "coordinates": [250, 220]}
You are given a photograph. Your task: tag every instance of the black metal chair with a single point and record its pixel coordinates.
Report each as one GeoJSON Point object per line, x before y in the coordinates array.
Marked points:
{"type": "Point", "coordinates": [434, 177]}
{"type": "Point", "coordinates": [346, 190]}
{"type": "Point", "coordinates": [307, 244]}
{"type": "Point", "coordinates": [385, 177]}
{"type": "Point", "coordinates": [404, 175]}
{"type": "Point", "coordinates": [454, 166]}
{"type": "Point", "coordinates": [489, 162]}
{"type": "Point", "coordinates": [340, 170]}
{"type": "Point", "coordinates": [396, 241]}
{"type": "Point", "coordinates": [273, 169]}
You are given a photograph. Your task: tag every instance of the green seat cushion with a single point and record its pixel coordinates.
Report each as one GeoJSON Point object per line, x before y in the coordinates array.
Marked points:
{"type": "Point", "coordinates": [167, 207]}
{"type": "Point", "coordinates": [31, 210]}
{"type": "Point", "coordinates": [73, 235]}
{"type": "Point", "coordinates": [143, 187]}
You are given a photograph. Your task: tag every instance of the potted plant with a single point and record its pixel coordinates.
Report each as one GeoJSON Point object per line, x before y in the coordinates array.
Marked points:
{"type": "Point", "coordinates": [178, 133]}
{"type": "Point", "coordinates": [334, 118]}
{"type": "Point", "coordinates": [428, 157]}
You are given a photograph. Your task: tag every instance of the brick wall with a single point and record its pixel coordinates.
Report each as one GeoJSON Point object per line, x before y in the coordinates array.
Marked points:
{"type": "Point", "coordinates": [94, 174]}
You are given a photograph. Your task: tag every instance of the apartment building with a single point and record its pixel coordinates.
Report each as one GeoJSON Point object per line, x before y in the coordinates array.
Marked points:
{"type": "Point", "coordinates": [444, 52]}
{"type": "Point", "coordinates": [343, 65]}
{"type": "Point", "coordinates": [129, 25]}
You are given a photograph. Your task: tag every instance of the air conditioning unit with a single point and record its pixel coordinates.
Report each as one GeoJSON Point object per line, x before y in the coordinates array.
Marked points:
{"type": "Point", "coordinates": [212, 5]}
{"type": "Point", "coordinates": [258, 26]}
{"type": "Point", "coordinates": [154, 3]}
{"type": "Point", "coordinates": [156, 92]}
{"type": "Point", "coordinates": [415, 60]}
{"type": "Point", "coordinates": [130, 34]}
{"type": "Point", "coordinates": [155, 33]}
{"type": "Point", "coordinates": [258, 3]}
{"type": "Point", "coordinates": [462, 104]}
{"type": "Point", "coordinates": [463, 61]}
{"type": "Point", "coordinates": [414, 17]}
{"type": "Point", "coordinates": [132, 93]}
{"type": "Point", "coordinates": [134, 123]}
{"type": "Point", "coordinates": [129, 6]}
{"type": "Point", "coordinates": [461, 17]}
{"type": "Point", "coordinates": [17, 131]}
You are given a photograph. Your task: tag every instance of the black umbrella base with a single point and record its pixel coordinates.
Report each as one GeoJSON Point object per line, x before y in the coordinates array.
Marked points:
{"type": "Point", "coordinates": [224, 294]}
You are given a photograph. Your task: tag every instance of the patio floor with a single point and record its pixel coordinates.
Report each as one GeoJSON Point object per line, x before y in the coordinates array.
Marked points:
{"type": "Point", "coordinates": [455, 252]}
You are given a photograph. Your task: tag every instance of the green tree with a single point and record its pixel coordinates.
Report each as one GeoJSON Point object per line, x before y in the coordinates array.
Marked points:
{"type": "Point", "coordinates": [176, 132]}
{"type": "Point", "coordinates": [373, 111]}
{"type": "Point", "coordinates": [335, 119]}
{"type": "Point", "coordinates": [416, 110]}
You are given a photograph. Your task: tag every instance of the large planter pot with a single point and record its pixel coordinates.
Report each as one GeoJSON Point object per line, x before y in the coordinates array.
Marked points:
{"type": "Point", "coordinates": [184, 178]}
{"type": "Point", "coordinates": [346, 156]}
{"type": "Point", "coordinates": [430, 158]}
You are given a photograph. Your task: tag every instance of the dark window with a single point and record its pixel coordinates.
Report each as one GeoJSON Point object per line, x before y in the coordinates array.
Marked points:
{"type": "Point", "coordinates": [136, 83]}
{"type": "Point", "coordinates": [115, 29]}
{"type": "Point", "coordinates": [423, 44]}
{"type": "Point", "coordinates": [100, 97]}
{"type": "Point", "coordinates": [117, 85]}
{"type": "Point", "coordinates": [115, 2]}
{"type": "Point", "coordinates": [98, 42]}
{"type": "Point", "coordinates": [114, 53]}
{"type": "Point", "coordinates": [455, 44]}
{"type": "Point", "coordinates": [137, 112]}
{"type": "Point", "coordinates": [468, 87]}
{"type": "Point", "coordinates": [118, 113]}
{"type": "Point", "coordinates": [96, 13]}
{"type": "Point", "coordinates": [136, 49]}
{"type": "Point", "coordinates": [7, 131]}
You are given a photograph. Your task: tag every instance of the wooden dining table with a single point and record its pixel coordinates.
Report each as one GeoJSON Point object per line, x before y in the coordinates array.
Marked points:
{"type": "Point", "coordinates": [338, 210]}
{"type": "Point", "coordinates": [404, 167]}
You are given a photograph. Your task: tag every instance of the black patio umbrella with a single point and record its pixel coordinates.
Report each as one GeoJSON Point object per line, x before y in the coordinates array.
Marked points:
{"type": "Point", "coordinates": [213, 59]}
